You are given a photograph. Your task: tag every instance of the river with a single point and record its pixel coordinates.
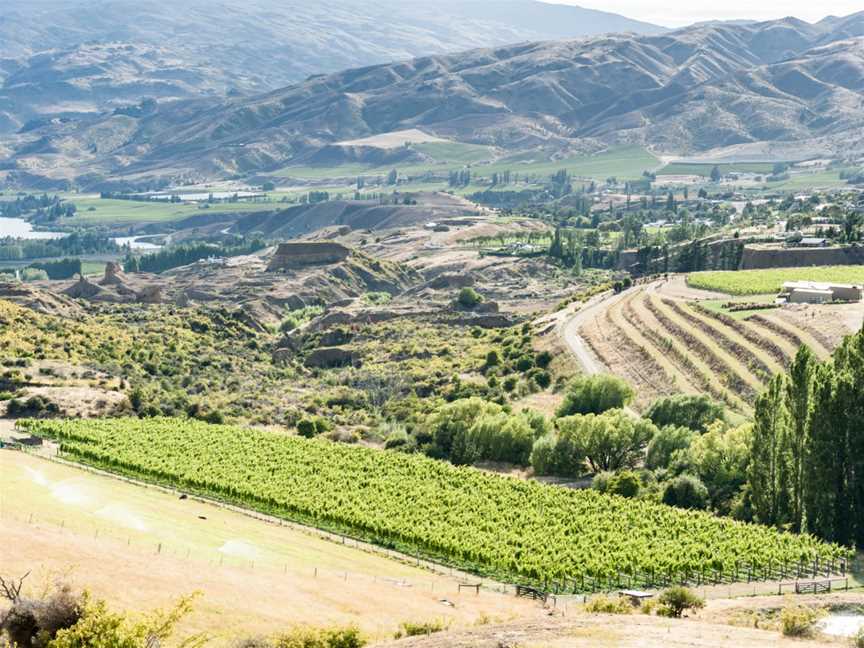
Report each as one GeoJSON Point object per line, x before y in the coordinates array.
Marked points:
{"type": "Point", "coordinates": [19, 228]}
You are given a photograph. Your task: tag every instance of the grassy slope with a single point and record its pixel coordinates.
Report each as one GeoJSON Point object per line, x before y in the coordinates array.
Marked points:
{"type": "Point", "coordinates": [763, 282]}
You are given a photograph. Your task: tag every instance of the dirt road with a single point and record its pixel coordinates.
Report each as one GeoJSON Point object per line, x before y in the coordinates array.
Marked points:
{"type": "Point", "coordinates": [569, 330]}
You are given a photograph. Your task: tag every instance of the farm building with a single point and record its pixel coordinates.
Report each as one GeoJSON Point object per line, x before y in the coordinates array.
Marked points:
{"type": "Point", "coordinates": [811, 292]}
{"type": "Point", "coordinates": [813, 242]}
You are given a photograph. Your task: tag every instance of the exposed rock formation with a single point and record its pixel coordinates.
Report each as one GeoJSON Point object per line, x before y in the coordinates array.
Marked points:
{"type": "Point", "coordinates": [150, 295]}
{"type": "Point", "coordinates": [83, 289]}
{"type": "Point", "coordinates": [329, 357]}
{"type": "Point", "coordinates": [298, 255]}
{"type": "Point", "coordinates": [113, 274]}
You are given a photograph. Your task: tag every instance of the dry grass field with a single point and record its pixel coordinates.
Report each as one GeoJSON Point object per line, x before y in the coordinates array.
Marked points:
{"type": "Point", "coordinates": [141, 548]}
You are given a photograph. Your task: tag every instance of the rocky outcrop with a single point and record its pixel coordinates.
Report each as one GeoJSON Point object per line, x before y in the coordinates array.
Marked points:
{"type": "Point", "coordinates": [113, 275]}
{"type": "Point", "coordinates": [291, 256]}
{"type": "Point", "coordinates": [331, 357]}
{"type": "Point", "coordinates": [150, 295]}
{"type": "Point", "coordinates": [83, 289]}
{"type": "Point", "coordinates": [39, 300]}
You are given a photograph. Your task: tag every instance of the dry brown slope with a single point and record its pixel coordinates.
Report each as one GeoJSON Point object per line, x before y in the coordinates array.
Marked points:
{"type": "Point", "coordinates": [601, 631]}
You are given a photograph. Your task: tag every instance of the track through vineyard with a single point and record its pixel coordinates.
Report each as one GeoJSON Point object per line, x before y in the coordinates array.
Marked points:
{"type": "Point", "coordinates": [513, 530]}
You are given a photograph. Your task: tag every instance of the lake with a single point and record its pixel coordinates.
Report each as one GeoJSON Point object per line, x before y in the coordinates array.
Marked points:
{"type": "Point", "coordinates": [19, 228]}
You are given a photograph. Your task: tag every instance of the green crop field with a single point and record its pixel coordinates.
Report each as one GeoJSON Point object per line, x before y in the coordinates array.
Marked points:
{"type": "Point", "coordinates": [763, 282]}
{"type": "Point", "coordinates": [688, 168]}
{"type": "Point", "coordinates": [625, 163]}
{"type": "Point", "coordinates": [495, 525]}
{"type": "Point", "coordinates": [93, 210]}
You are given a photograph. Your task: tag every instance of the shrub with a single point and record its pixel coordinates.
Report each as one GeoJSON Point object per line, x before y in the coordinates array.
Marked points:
{"type": "Point", "coordinates": [543, 379]}
{"type": "Point", "coordinates": [543, 359]}
{"type": "Point", "coordinates": [683, 410]}
{"type": "Point", "coordinates": [797, 620]}
{"type": "Point", "coordinates": [858, 639]}
{"type": "Point", "coordinates": [469, 298]}
{"type": "Point", "coordinates": [35, 406]}
{"type": "Point", "coordinates": [496, 437]}
{"type": "Point", "coordinates": [313, 426]}
{"type": "Point", "coordinates": [314, 638]}
{"type": "Point", "coordinates": [409, 629]}
{"type": "Point", "coordinates": [595, 395]}
{"type": "Point", "coordinates": [601, 481]}
{"type": "Point", "coordinates": [665, 444]}
{"type": "Point", "coordinates": [453, 419]}
{"type": "Point", "coordinates": [493, 359]}
{"type": "Point", "coordinates": [676, 600]}
{"type": "Point", "coordinates": [625, 483]}
{"type": "Point", "coordinates": [605, 604]}
{"type": "Point", "coordinates": [686, 491]}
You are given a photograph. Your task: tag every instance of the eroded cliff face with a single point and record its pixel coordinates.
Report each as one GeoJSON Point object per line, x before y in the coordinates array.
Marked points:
{"type": "Point", "coordinates": [290, 256]}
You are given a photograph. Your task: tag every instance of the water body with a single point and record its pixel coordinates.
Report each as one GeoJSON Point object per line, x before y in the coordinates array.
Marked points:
{"type": "Point", "coordinates": [137, 243]}
{"type": "Point", "coordinates": [19, 228]}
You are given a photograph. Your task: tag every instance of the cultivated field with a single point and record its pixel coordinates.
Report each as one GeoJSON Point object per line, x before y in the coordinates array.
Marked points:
{"type": "Point", "coordinates": [763, 282]}
{"type": "Point", "coordinates": [256, 577]}
{"type": "Point", "coordinates": [623, 162]}
{"type": "Point", "coordinates": [664, 343]}
{"type": "Point", "coordinates": [562, 540]}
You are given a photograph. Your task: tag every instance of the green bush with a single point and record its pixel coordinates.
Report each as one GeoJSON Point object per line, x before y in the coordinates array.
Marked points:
{"type": "Point", "coordinates": [495, 437]}
{"type": "Point", "coordinates": [606, 604]}
{"type": "Point", "coordinates": [684, 410]}
{"type": "Point", "coordinates": [314, 638]}
{"type": "Point", "coordinates": [469, 298]}
{"type": "Point", "coordinates": [686, 491]}
{"type": "Point", "coordinates": [312, 426]}
{"type": "Point", "coordinates": [798, 620]}
{"type": "Point", "coordinates": [665, 444]}
{"type": "Point", "coordinates": [543, 379]}
{"type": "Point", "coordinates": [543, 359]}
{"type": "Point", "coordinates": [676, 600]}
{"type": "Point", "coordinates": [595, 395]}
{"type": "Point", "coordinates": [411, 629]}
{"type": "Point", "coordinates": [858, 639]}
{"type": "Point", "coordinates": [625, 483]}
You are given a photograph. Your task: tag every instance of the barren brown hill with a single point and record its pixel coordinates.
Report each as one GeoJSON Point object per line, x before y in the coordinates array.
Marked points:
{"type": "Point", "coordinates": [683, 92]}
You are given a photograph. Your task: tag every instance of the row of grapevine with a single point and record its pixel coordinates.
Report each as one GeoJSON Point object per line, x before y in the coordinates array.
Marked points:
{"type": "Point", "coordinates": [506, 528]}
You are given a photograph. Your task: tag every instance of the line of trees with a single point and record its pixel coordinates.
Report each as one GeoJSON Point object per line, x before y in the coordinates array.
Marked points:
{"type": "Point", "coordinates": [807, 467]}
{"type": "Point", "coordinates": [181, 255]}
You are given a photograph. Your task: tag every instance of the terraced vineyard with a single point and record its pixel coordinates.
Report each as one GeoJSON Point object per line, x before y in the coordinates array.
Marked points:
{"type": "Point", "coordinates": [557, 538]}
{"type": "Point", "coordinates": [663, 345]}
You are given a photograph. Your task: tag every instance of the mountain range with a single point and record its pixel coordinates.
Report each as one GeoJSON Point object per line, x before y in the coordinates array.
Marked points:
{"type": "Point", "coordinates": [782, 89]}
{"type": "Point", "coordinates": [71, 57]}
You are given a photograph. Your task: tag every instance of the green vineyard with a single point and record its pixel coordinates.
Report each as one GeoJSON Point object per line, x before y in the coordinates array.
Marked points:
{"type": "Point", "coordinates": [513, 530]}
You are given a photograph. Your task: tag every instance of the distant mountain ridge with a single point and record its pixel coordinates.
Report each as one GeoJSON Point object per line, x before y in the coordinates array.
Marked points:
{"type": "Point", "coordinates": [783, 85]}
{"type": "Point", "coordinates": [53, 52]}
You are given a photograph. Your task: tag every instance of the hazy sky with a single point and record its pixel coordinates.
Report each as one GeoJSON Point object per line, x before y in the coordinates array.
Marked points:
{"type": "Point", "coordinates": [676, 13]}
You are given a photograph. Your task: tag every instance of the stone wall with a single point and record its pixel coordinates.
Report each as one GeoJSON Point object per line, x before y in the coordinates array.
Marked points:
{"type": "Point", "coordinates": [298, 255]}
